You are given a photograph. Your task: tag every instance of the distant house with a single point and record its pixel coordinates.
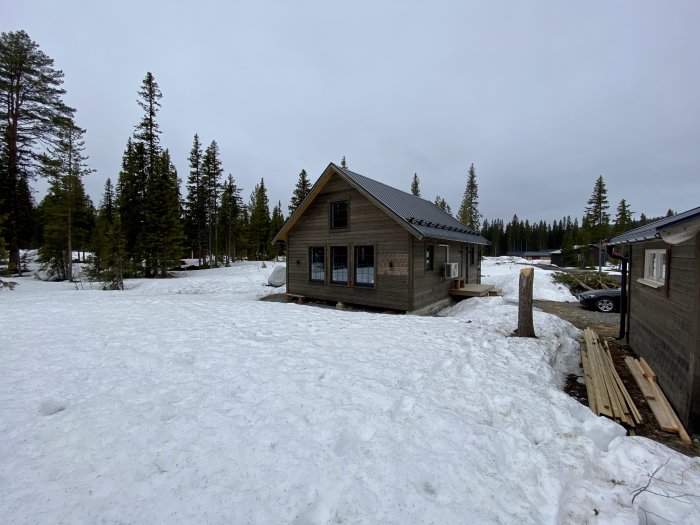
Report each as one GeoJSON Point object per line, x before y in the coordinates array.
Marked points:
{"type": "Point", "coordinates": [355, 240]}
{"type": "Point", "coordinates": [664, 304]}
{"type": "Point", "coordinates": [544, 256]}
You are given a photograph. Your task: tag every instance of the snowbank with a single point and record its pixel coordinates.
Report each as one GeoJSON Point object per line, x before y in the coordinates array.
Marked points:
{"type": "Point", "coordinates": [504, 273]}
{"type": "Point", "coordinates": [188, 401]}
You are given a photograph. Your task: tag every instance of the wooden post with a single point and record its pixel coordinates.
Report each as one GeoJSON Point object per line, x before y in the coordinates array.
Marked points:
{"type": "Point", "coordinates": [526, 327]}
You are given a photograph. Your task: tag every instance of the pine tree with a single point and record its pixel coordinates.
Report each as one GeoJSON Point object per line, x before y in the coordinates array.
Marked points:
{"type": "Point", "coordinates": [276, 224]}
{"type": "Point", "coordinates": [469, 209]}
{"type": "Point", "coordinates": [196, 204]}
{"type": "Point", "coordinates": [259, 228]}
{"type": "Point", "coordinates": [623, 218]}
{"type": "Point", "coordinates": [71, 212]}
{"type": "Point", "coordinates": [211, 175]}
{"type": "Point", "coordinates": [442, 204]}
{"type": "Point", "coordinates": [415, 188]}
{"type": "Point", "coordinates": [301, 190]}
{"type": "Point", "coordinates": [31, 111]}
{"type": "Point", "coordinates": [596, 220]}
{"type": "Point", "coordinates": [343, 163]}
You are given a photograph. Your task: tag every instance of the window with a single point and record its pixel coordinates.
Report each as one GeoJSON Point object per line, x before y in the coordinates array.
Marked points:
{"type": "Point", "coordinates": [654, 268]}
{"type": "Point", "coordinates": [339, 264]}
{"type": "Point", "coordinates": [339, 215]}
{"type": "Point", "coordinates": [317, 265]}
{"type": "Point", "coordinates": [429, 257]}
{"type": "Point", "coordinates": [364, 265]}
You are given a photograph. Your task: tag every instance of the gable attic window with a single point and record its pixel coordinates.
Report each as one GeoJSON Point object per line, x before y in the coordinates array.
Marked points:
{"type": "Point", "coordinates": [339, 215]}
{"type": "Point", "coordinates": [654, 268]}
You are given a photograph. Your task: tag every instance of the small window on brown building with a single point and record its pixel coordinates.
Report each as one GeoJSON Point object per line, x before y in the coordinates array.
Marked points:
{"type": "Point", "coordinates": [339, 215]}
{"type": "Point", "coordinates": [429, 258]}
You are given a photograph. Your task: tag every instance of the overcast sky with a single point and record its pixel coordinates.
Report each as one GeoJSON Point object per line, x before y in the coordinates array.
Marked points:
{"type": "Point", "coordinates": [542, 96]}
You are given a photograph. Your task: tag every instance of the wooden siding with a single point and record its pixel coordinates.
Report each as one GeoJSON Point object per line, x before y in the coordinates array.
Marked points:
{"type": "Point", "coordinates": [663, 324]}
{"type": "Point", "coordinates": [367, 225]}
{"type": "Point", "coordinates": [429, 286]}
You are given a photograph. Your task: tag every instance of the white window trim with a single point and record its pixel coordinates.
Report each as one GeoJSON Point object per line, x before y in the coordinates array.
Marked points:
{"type": "Point", "coordinates": [655, 277]}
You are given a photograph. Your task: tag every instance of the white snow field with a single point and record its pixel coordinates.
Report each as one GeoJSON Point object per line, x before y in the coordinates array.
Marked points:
{"type": "Point", "coordinates": [187, 400]}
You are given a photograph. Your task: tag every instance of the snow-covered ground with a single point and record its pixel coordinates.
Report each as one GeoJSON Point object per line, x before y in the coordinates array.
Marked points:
{"type": "Point", "coordinates": [187, 400]}
{"type": "Point", "coordinates": [504, 273]}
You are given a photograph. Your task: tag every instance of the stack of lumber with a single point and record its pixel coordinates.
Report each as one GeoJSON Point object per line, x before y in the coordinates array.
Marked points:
{"type": "Point", "coordinates": [607, 394]}
{"type": "Point", "coordinates": [664, 413]}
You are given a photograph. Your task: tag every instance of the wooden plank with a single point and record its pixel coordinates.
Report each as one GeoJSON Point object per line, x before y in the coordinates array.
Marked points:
{"type": "Point", "coordinates": [685, 438]}
{"type": "Point", "coordinates": [602, 398]}
{"type": "Point", "coordinates": [634, 412]}
{"type": "Point", "coordinates": [646, 369]}
{"type": "Point", "coordinates": [590, 391]}
{"type": "Point", "coordinates": [638, 375]}
{"type": "Point", "coordinates": [663, 411]}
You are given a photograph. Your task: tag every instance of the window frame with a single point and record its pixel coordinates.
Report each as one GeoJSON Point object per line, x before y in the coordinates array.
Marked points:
{"type": "Point", "coordinates": [429, 258]}
{"type": "Point", "coordinates": [332, 215]}
{"type": "Point", "coordinates": [311, 262]}
{"type": "Point", "coordinates": [356, 266]}
{"type": "Point", "coordinates": [333, 249]}
{"type": "Point", "coordinates": [655, 274]}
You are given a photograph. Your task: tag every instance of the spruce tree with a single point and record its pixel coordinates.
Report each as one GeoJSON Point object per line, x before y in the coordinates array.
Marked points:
{"type": "Point", "coordinates": [131, 205]}
{"type": "Point", "coordinates": [149, 196]}
{"type": "Point", "coordinates": [276, 223]}
{"type": "Point", "coordinates": [108, 257]}
{"type": "Point", "coordinates": [31, 112]}
{"type": "Point", "coordinates": [259, 228]}
{"type": "Point", "coordinates": [195, 205]}
{"type": "Point", "coordinates": [301, 190]}
{"type": "Point", "coordinates": [442, 204]}
{"type": "Point", "coordinates": [211, 175]}
{"type": "Point", "coordinates": [163, 227]}
{"type": "Point", "coordinates": [343, 163]}
{"type": "Point", "coordinates": [623, 217]}
{"type": "Point", "coordinates": [596, 220]}
{"type": "Point", "coordinates": [229, 220]}
{"type": "Point", "coordinates": [415, 188]}
{"type": "Point", "coordinates": [469, 209]}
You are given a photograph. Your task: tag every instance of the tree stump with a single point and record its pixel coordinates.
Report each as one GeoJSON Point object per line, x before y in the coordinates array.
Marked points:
{"type": "Point", "coordinates": [526, 327]}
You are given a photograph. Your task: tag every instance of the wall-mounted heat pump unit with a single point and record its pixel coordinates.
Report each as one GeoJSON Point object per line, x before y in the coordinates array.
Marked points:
{"type": "Point", "coordinates": [451, 270]}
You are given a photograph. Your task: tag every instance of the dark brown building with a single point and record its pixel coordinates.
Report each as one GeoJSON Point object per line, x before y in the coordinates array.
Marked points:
{"type": "Point", "coordinates": [664, 304]}
{"type": "Point", "coordinates": [355, 240]}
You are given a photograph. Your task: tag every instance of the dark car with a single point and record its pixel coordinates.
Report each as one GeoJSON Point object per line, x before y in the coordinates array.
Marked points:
{"type": "Point", "coordinates": [601, 300]}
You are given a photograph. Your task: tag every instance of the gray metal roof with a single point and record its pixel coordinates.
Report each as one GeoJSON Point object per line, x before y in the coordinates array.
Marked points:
{"type": "Point", "coordinates": [422, 215]}
{"type": "Point", "coordinates": [653, 229]}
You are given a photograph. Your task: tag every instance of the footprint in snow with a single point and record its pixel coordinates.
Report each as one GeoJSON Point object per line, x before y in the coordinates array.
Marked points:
{"type": "Point", "coordinates": [350, 438]}
{"type": "Point", "coordinates": [49, 407]}
{"type": "Point", "coordinates": [403, 408]}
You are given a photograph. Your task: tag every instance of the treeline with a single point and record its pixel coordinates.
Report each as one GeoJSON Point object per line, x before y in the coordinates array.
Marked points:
{"type": "Point", "coordinates": [566, 234]}
{"type": "Point", "coordinates": [142, 225]}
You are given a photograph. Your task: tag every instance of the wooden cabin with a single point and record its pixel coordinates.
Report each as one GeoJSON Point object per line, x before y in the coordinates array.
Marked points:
{"type": "Point", "coordinates": [663, 323]}
{"type": "Point", "coordinates": [355, 240]}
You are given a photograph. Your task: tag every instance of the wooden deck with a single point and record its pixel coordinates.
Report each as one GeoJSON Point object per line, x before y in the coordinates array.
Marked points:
{"type": "Point", "coordinates": [475, 290]}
